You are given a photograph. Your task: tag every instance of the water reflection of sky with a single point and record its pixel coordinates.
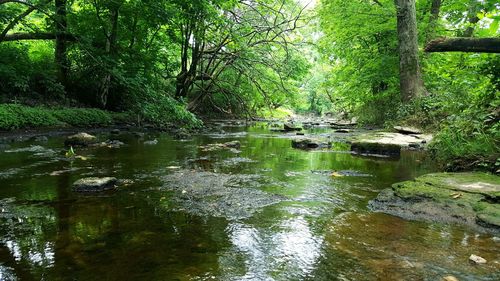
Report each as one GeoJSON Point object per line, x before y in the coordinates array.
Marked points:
{"type": "Point", "coordinates": [292, 249]}
{"type": "Point", "coordinates": [38, 255]}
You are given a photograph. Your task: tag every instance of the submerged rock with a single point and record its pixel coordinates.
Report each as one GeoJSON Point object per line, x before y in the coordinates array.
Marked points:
{"type": "Point", "coordinates": [40, 139]}
{"type": "Point", "coordinates": [95, 184]}
{"type": "Point", "coordinates": [407, 130]}
{"type": "Point", "coordinates": [384, 143]}
{"type": "Point", "coordinates": [232, 145]}
{"type": "Point", "coordinates": [109, 144]}
{"type": "Point", "coordinates": [309, 143]}
{"type": "Point", "coordinates": [219, 195]}
{"type": "Point", "coordinates": [80, 139]}
{"type": "Point", "coordinates": [466, 198]}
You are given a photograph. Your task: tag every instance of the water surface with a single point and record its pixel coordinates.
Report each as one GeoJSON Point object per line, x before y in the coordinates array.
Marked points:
{"type": "Point", "coordinates": [157, 228]}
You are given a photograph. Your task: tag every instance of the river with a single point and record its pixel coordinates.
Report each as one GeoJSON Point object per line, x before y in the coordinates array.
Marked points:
{"type": "Point", "coordinates": [264, 211]}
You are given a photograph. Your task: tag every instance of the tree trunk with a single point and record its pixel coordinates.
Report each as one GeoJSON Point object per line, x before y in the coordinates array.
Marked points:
{"type": "Point", "coordinates": [411, 84]}
{"type": "Point", "coordinates": [435, 10]}
{"type": "Point", "coordinates": [463, 44]}
{"type": "Point", "coordinates": [472, 18]}
{"type": "Point", "coordinates": [110, 50]}
{"type": "Point", "coordinates": [61, 57]}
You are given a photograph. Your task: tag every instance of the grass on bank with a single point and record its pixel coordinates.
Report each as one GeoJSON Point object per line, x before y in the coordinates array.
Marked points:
{"type": "Point", "coordinates": [15, 116]}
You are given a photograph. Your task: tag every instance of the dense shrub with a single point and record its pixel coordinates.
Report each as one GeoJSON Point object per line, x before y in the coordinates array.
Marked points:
{"type": "Point", "coordinates": [164, 111]}
{"type": "Point", "coordinates": [14, 116]}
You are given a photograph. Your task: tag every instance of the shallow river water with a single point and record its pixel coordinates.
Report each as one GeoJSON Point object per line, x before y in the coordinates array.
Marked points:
{"type": "Point", "coordinates": [264, 211]}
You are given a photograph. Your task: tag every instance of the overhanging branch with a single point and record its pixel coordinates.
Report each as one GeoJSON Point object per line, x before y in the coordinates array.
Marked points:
{"type": "Point", "coordinates": [464, 44]}
{"type": "Point", "coordinates": [37, 36]}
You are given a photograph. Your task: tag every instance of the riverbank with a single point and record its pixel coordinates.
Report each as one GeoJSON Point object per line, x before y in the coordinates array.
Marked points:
{"type": "Point", "coordinates": [15, 117]}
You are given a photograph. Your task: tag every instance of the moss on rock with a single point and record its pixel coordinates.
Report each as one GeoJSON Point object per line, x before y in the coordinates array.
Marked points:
{"type": "Point", "coordinates": [468, 198]}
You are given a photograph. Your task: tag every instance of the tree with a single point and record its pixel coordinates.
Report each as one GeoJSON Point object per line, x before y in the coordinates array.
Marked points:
{"type": "Point", "coordinates": [411, 84]}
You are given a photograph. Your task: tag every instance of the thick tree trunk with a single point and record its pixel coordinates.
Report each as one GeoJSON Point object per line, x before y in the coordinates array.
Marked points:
{"type": "Point", "coordinates": [61, 57]}
{"type": "Point", "coordinates": [463, 44]}
{"type": "Point", "coordinates": [411, 84]}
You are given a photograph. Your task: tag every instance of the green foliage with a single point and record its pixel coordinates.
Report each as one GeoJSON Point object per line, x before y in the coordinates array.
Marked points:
{"type": "Point", "coordinates": [14, 116]}
{"type": "Point", "coordinates": [166, 112]}
{"type": "Point", "coordinates": [471, 139]}
{"type": "Point", "coordinates": [83, 117]}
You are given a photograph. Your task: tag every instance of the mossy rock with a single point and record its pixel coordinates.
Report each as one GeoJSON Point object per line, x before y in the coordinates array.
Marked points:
{"type": "Point", "coordinates": [468, 198]}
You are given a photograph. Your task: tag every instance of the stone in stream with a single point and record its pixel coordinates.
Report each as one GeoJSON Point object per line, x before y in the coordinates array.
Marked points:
{"type": "Point", "coordinates": [385, 143]}
{"type": "Point", "coordinates": [289, 127]}
{"type": "Point", "coordinates": [407, 130]}
{"type": "Point", "coordinates": [343, 124]}
{"type": "Point", "coordinates": [80, 139]}
{"type": "Point", "coordinates": [40, 139]}
{"type": "Point", "coordinates": [231, 145]}
{"type": "Point", "coordinates": [466, 198]}
{"type": "Point", "coordinates": [151, 142]}
{"type": "Point", "coordinates": [94, 184]}
{"type": "Point", "coordinates": [477, 259]}
{"type": "Point", "coordinates": [109, 144]}
{"type": "Point", "coordinates": [309, 143]}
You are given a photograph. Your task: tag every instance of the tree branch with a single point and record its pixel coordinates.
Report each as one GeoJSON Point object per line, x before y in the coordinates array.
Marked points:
{"type": "Point", "coordinates": [37, 36]}
{"type": "Point", "coordinates": [464, 44]}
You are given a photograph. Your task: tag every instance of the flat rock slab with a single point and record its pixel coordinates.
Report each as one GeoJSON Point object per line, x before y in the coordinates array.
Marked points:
{"type": "Point", "coordinates": [407, 130]}
{"type": "Point", "coordinates": [466, 198]}
{"type": "Point", "coordinates": [386, 143]}
{"type": "Point", "coordinates": [310, 143]}
{"type": "Point", "coordinates": [93, 184]}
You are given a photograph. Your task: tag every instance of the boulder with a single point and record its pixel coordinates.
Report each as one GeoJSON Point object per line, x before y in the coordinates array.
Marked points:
{"type": "Point", "coordinates": [80, 139]}
{"type": "Point", "coordinates": [385, 143]}
{"type": "Point", "coordinates": [407, 130]}
{"type": "Point", "coordinates": [309, 143]}
{"type": "Point", "coordinates": [151, 142]}
{"type": "Point", "coordinates": [467, 198]}
{"type": "Point", "coordinates": [289, 127]}
{"type": "Point", "coordinates": [232, 144]}
{"type": "Point", "coordinates": [95, 184]}
{"type": "Point", "coordinates": [477, 259]}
